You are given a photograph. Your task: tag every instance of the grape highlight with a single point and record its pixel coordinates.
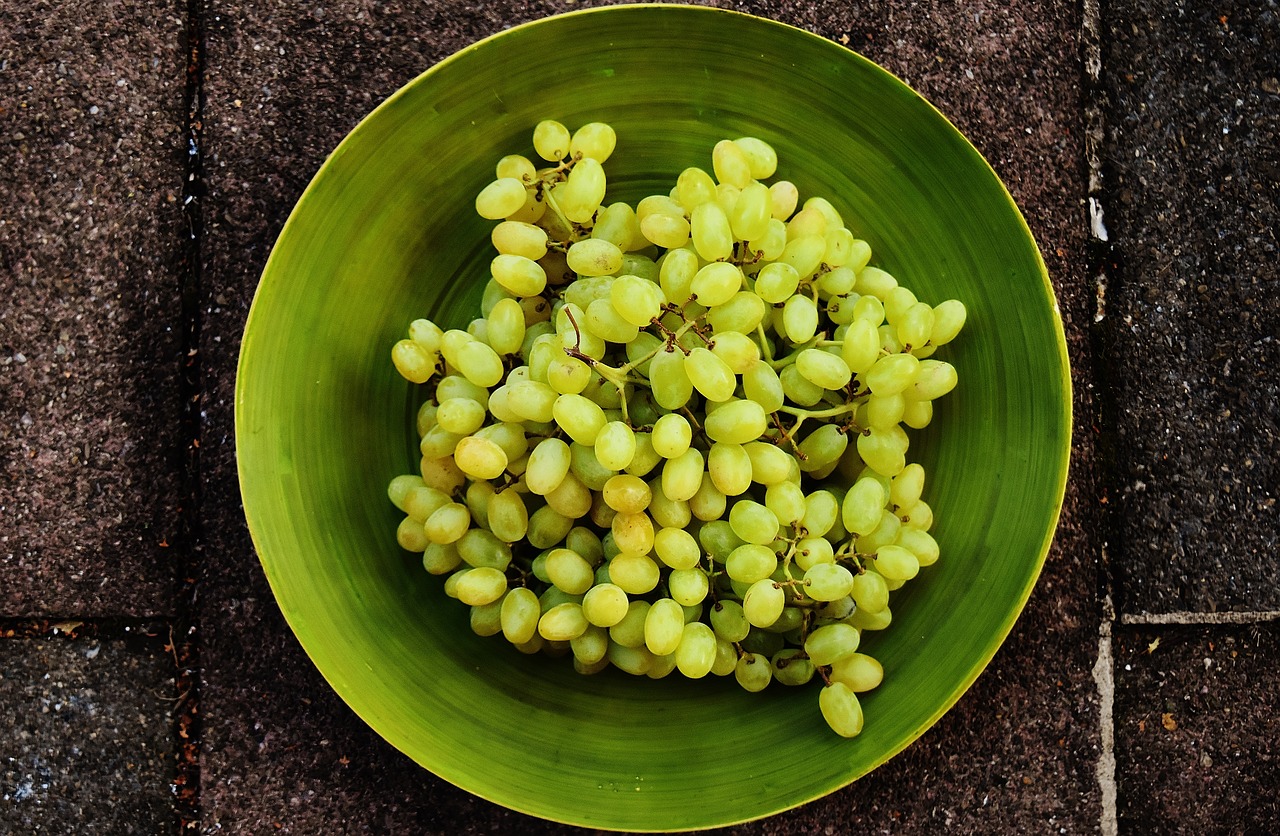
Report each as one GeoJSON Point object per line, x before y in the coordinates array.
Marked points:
{"type": "Point", "coordinates": [674, 440]}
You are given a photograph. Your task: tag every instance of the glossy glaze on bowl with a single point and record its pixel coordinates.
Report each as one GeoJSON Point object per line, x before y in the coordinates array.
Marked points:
{"type": "Point", "coordinates": [385, 233]}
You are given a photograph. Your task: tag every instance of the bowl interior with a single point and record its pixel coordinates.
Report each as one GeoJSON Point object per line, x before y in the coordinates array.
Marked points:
{"type": "Point", "coordinates": [386, 233]}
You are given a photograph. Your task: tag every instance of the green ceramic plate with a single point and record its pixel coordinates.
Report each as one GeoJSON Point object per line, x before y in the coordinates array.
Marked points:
{"type": "Point", "coordinates": [385, 233]}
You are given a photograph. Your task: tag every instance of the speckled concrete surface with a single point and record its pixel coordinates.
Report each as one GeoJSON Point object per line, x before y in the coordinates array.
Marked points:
{"type": "Point", "coordinates": [95, 449]}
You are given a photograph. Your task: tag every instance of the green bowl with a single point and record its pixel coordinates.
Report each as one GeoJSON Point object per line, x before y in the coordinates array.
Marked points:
{"type": "Point", "coordinates": [386, 233]}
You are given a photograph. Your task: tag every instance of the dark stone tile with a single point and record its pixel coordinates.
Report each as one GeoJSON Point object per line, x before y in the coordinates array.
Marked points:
{"type": "Point", "coordinates": [281, 750]}
{"type": "Point", "coordinates": [1197, 728]}
{"type": "Point", "coordinates": [87, 744]}
{"type": "Point", "coordinates": [1194, 167]}
{"type": "Point", "coordinates": [90, 177]}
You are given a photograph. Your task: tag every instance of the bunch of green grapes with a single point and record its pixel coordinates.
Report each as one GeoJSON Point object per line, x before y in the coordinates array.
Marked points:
{"type": "Point", "coordinates": [674, 439]}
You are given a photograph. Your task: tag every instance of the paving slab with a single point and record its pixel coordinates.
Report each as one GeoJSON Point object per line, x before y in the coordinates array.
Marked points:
{"type": "Point", "coordinates": [85, 737]}
{"type": "Point", "coordinates": [1197, 719]}
{"type": "Point", "coordinates": [280, 750]}
{"type": "Point", "coordinates": [1192, 161]}
{"type": "Point", "coordinates": [90, 238]}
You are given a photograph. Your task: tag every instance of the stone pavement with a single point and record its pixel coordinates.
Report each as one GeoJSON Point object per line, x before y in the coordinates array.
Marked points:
{"type": "Point", "coordinates": [149, 154]}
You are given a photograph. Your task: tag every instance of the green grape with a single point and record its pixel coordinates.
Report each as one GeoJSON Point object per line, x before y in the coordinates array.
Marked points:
{"type": "Point", "coordinates": [547, 527]}
{"type": "Point", "coordinates": [501, 198]}
{"type": "Point", "coordinates": [663, 627]}
{"type": "Point", "coordinates": [427, 334]}
{"type": "Point", "coordinates": [672, 387]}
{"type": "Point", "coordinates": [548, 465]}
{"type": "Point", "coordinates": [626, 494]}
{"type": "Point", "coordinates": [885, 411]}
{"type": "Point", "coordinates": [688, 587]}
{"type": "Point", "coordinates": [517, 166]}
{"type": "Point", "coordinates": [571, 498]}
{"type": "Point", "coordinates": [551, 140]}
{"type": "Point", "coordinates": [728, 621]}
{"type": "Point", "coordinates": [870, 592]}
{"type": "Point", "coordinates": [886, 532]}
{"type": "Point", "coordinates": [737, 350]}
{"type": "Point", "coordinates": [915, 325]}
{"type": "Point", "coordinates": [804, 254]}
{"type": "Point", "coordinates": [594, 257]}
{"type": "Point", "coordinates": [783, 198]}
{"type": "Point", "coordinates": [662, 666]}
{"type": "Point", "coordinates": [507, 516]}
{"type": "Point", "coordinates": [532, 401]}
{"type": "Point", "coordinates": [595, 140]}
{"type": "Point", "coordinates": [786, 501]}
{"type": "Point", "coordinates": [401, 486]}
{"type": "Point", "coordinates": [563, 622]}
{"type": "Point", "coordinates": [636, 300]}
{"type": "Point", "coordinates": [568, 375]}
{"type": "Point", "coordinates": [694, 187]}
{"type": "Point", "coordinates": [617, 224]}
{"type": "Point", "coordinates": [447, 523]}
{"type": "Point", "coordinates": [889, 340]}
{"type": "Point", "coordinates": [633, 532]}
{"type": "Point", "coordinates": [841, 709]}
{"type": "Point", "coordinates": [668, 513]}
{"type": "Point", "coordinates": [710, 375]}
{"type": "Point", "coordinates": [934, 378]}
{"type": "Point", "coordinates": [479, 586]}
{"type": "Point", "coordinates": [750, 215]}
{"type": "Point", "coordinates": [717, 283]}
{"type": "Point", "coordinates": [729, 467]}
{"type": "Point", "coordinates": [667, 231]}
{"type": "Point", "coordinates": [730, 163]}
{"type": "Point", "coordinates": [749, 563]}
{"type": "Point", "coordinates": [518, 275]}
{"type": "Point", "coordinates": [763, 603]}
{"type": "Point", "coordinates": [896, 563]}
{"type": "Point", "coordinates": [603, 321]}
{"type": "Point", "coordinates": [519, 615]}
{"type": "Point", "coordinates": [813, 550]}
{"type": "Point", "coordinates": [917, 414]}
{"type": "Point", "coordinates": [828, 582]}
{"type": "Point", "coordinates": [777, 282]}
{"type": "Point", "coordinates": [807, 222]}
{"type": "Point", "coordinates": [863, 506]}
{"type": "Point", "coordinates": [517, 238]}
{"type": "Point", "coordinates": [510, 437]}
{"type": "Point", "coordinates": [672, 435]}
{"type": "Point", "coordinates": [580, 418]}
{"type": "Point", "coordinates": [506, 327]}
{"type": "Point", "coordinates": [636, 661]}
{"type": "Point", "coordinates": [590, 646]}
{"type": "Point", "coordinates": [892, 374]}
{"type": "Point", "coordinates": [761, 385]}
{"type": "Point", "coordinates": [753, 522]}
{"type": "Point", "coordinates": [719, 539]}
{"type": "Point", "coordinates": [840, 251]}
{"type": "Point", "coordinates": [615, 445]}
{"type": "Point", "coordinates": [858, 671]}
{"type": "Point", "coordinates": [682, 475]}
{"type": "Point", "coordinates": [919, 515]}
{"type": "Point", "coordinates": [696, 652]}
{"type": "Point", "coordinates": [635, 574]}
{"type": "Point", "coordinates": [753, 672]}
{"type": "Point", "coordinates": [441, 473]}
{"type": "Point", "coordinates": [677, 548]}
{"type": "Point", "coordinates": [736, 422]}
{"type": "Point", "coordinates": [411, 536]}
{"type": "Point", "coordinates": [948, 319]}
{"type": "Point", "coordinates": [741, 314]}
{"type": "Point", "coordinates": [675, 274]}
{"type": "Point", "coordinates": [414, 363]}
{"type": "Point", "coordinates": [580, 195]}
{"type": "Point", "coordinates": [884, 451]}
{"type": "Point", "coordinates": [820, 513]}
{"type": "Point", "coordinates": [861, 347]}
{"type": "Point", "coordinates": [906, 487]}
{"type": "Point", "coordinates": [896, 304]}
{"type": "Point", "coordinates": [762, 160]}
{"type": "Point", "coordinates": [585, 466]}
{"type": "Point", "coordinates": [769, 464]}
{"type": "Point", "coordinates": [822, 447]}
{"type": "Point", "coordinates": [569, 571]}
{"type": "Point", "coordinates": [480, 458]}
{"type": "Point", "coordinates": [769, 247]}
{"type": "Point", "coordinates": [605, 605]}
{"type": "Point", "coordinates": [823, 369]}
{"type": "Point", "coordinates": [708, 503]}
{"type": "Point", "coordinates": [790, 667]}
{"type": "Point", "coordinates": [920, 543]}
{"type": "Point", "coordinates": [800, 318]}
{"type": "Point", "coordinates": [710, 232]}
{"type": "Point", "coordinates": [486, 620]}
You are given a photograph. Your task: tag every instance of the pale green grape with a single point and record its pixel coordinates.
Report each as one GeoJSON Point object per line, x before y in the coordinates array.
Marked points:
{"type": "Point", "coordinates": [626, 494]}
{"type": "Point", "coordinates": [822, 448]}
{"type": "Point", "coordinates": [709, 502]}
{"type": "Point", "coordinates": [753, 522]}
{"type": "Point", "coordinates": [480, 586]}
{"type": "Point", "coordinates": [841, 709]}
{"type": "Point", "coordinates": [506, 327]}
{"type": "Point", "coordinates": [519, 615]}
{"type": "Point", "coordinates": [518, 275]}
{"type": "Point", "coordinates": [786, 501]}
{"type": "Point", "coordinates": [580, 195]}
{"type": "Point", "coordinates": [594, 257]}
{"type": "Point", "coordinates": [668, 513]}
{"type": "Point", "coordinates": [769, 464]}
{"type": "Point", "coordinates": [919, 515]}
{"type": "Point", "coordinates": [807, 222]}
{"type": "Point", "coordinates": [729, 467]}
{"type": "Point", "coordinates": [800, 318]}
{"type": "Point", "coordinates": [615, 445]}
{"type": "Point", "coordinates": [636, 300]}
{"type": "Point", "coordinates": [548, 465]}
{"type": "Point", "coordinates": [411, 536]}
{"type": "Point", "coordinates": [741, 314]}
{"type": "Point", "coordinates": [635, 574]}
{"type": "Point", "coordinates": [761, 385]}
{"type": "Point", "coordinates": [688, 587]}
{"type": "Point", "coordinates": [821, 511]}
{"type": "Point", "coordinates": [532, 401]}
{"type": "Point", "coordinates": [580, 418]}
{"type": "Point", "coordinates": [750, 563]}
{"type": "Point", "coordinates": [813, 550]}
{"type": "Point", "coordinates": [828, 582]}
{"type": "Point", "coordinates": [448, 523]}
{"type": "Point", "coordinates": [480, 458]}
{"type": "Point", "coordinates": [896, 563]}
{"type": "Point", "coordinates": [823, 368]}
{"type": "Point", "coordinates": [546, 527]}
{"type": "Point", "coordinates": [776, 282]}
{"type": "Point", "coordinates": [551, 140]}
{"type": "Point", "coordinates": [696, 652]}
{"type": "Point", "coordinates": [915, 325]}
{"type": "Point", "coordinates": [427, 334]}
{"type": "Point", "coordinates": [933, 379]}
{"type": "Point", "coordinates": [717, 283]}
{"type": "Point", "coordinates": [710, 375]}
{"type": "Point", "coordinates": [517, 166]}
{"type": "Point", "coordinates": [863, 506]}
{"type": "Point", "coordinates": [604, 321]}
{"type": "Point", "coordinates": [730, 163]}
{"type": "Point", "coordinates": [460, 416]}
{"type": "Point", "coordinates": [728, 621]}
{"type": "Point", "coordinates": [667, 231]}
{"type": "Point", "coordinates": [791, 667]}
{"type": "Point", "coordinates": [595, 140]}
{"type": "Point", "coordinates": [896, 304]}
{"type": "Point", "coordinates": [586, 467]}
{"type": "Point", "coordinates": [710, 232]}
{"type": "Point", "coordinates": [736, 422]}
{"type": "Point", "coordinates": [633, 532]}
{"type": "Point", "coordinates": [569, 571]}
{"type": "Point", "coordinates": [869, 592]}
{"type": "Point", "coordinates": [783, 198]}
{"type": "Point", "coordinates": [804, 253]}
{"type": "Point", "coordinates": [501, 198]}
{"type": "Point", "coordinates": [858, 671]}
{"type": "Point", "coordinates": [769, 246]}
{"type": "Point", "coordinates": [948, 319]}
{"type": "Point", "coordinates": [672, 435]}
{"type": "Point", "coordinates": [568, 375]}
{"type": "Point", "coordinates": [920, 543]}
{"type": "Point", "coordinates": [694, 187]}
{"type": "Point", "coordinates": [510, 437]}
{"type": "Point", "coordinates": [605, 605]}
{"type": "Point", "coordinates": [617, 224]}
{"type": "Point", "coordinates": [886, 532]}
{"type": "Point", "coordinates": [872, 281]}
{"type": "Point", "coordinates": [676, 272]}
{"type": "Point", "coordinates": [892, 374]}
{"type": "Point", "coordinates": [682, 475]}
{"type": "Point", "coordinates": [636, 661]}
{"type": "Point", "coordinates": [570, 498]}
{"type": "Point", "coordinates": [917, 414]}
{"type": "Point", "coordinates": [672, 387]}
{"type": "Point", "coordinates": [764, 602]}
{"type": "Point", "coordinates": [884, 450]}
{"type": "Point", "coordinates": [761, 158]}
{"type": "Point", "coordinates": [590, 646]}
{"type": "Point", "coordinates": [508, 516]}
{"type": "Point", "coordinates": [563, 622]}
{"type": "Point", "coordinates": [677, 548]}
{"type": "Point", "coordinates": [753, 672]}
{"type": "Point", "coordinates": [750, 215]}
{"type": "Point", "coordinates": [414, 362]}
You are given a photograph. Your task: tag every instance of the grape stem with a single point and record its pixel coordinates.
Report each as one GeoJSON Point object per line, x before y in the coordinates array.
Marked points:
{"type": "Point", "coordinates": [842, 409]}
{"type": "Point", "coordinates": [765, 350]}
{"type": "Point", "coordinates": [783, 362]}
